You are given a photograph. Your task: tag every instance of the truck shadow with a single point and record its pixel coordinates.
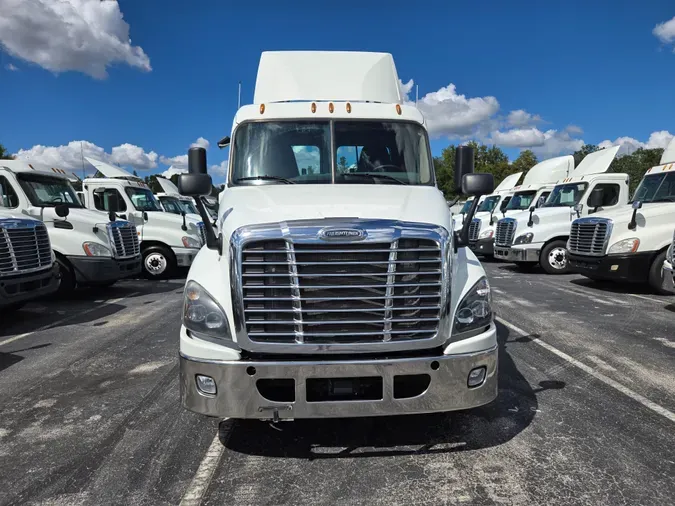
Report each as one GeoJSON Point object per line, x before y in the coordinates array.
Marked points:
{"type": "Point", "coordinates": [484, 427]}
{"type": "Point", "coordinates": [9, 359]}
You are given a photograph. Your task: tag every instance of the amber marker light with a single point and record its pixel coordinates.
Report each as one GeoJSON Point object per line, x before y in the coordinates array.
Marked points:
{"type": "Point", "coordinates": [349, 108]}
{"type": "Point", "coordinates": [262, 108]}
{"type": "Point", "coordinates": [313, 107]}
{"type": "Point", "coordinates": [398, 109]}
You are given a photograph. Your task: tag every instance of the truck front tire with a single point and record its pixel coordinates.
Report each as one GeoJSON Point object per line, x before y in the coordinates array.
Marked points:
{"type": "Point", "coordinates": [67, 284]}
{"type": "Point", "coordinates": [554, 258]}
{"type": "Point", "coordinates": [656, 276]}
{"type": "Point", "coordinates": [158, 262]}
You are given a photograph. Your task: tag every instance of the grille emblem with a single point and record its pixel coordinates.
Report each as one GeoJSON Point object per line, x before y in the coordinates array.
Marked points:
{"type": "Point", "coordinates": [342, 234]}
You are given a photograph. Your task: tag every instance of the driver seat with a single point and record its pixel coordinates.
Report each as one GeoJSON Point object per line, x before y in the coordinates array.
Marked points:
{"type": "Point", "coordinates": [373, 156]}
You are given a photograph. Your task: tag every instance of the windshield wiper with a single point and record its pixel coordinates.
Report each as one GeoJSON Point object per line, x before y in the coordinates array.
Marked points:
{"type": "Point", "coordinates": [265, 178]}
{"type": "Point", "coordinates": [374, 176]}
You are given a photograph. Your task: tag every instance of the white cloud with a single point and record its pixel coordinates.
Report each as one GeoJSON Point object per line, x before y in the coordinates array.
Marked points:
{"type": "Point", "coordinates": [69, 157]}
{"type": "Point", "coordinates": [629, 145]}
{"type": "Point", "coordinates": [220, 169]}
{"type": "Point", "coordinates": [173, 170]}
{"type": "Point", "coordinates": [558, 142]}
{"type": "Point", "coordinates": [451, 114]}
{"type": "Point", "coordinates": [521, 118]}
{"type": "Point", "coordinates": [665, 31]}
{"type": "Point", "coordinates": [200, 143]}
{"type": "Point", "coordinates": [81, 35]}
{"type": "Point", "coordinates": [11, 67]}
{"type": "Point", "coordinates": [519, 138]}
{"type": "Point", "coordinates": [180, 161]}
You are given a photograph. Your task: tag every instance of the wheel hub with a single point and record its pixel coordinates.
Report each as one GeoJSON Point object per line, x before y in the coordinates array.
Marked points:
{"type": "Point", "coordinates": [557, 258]}
{"type": "Point", "coordinates": [155, 264]}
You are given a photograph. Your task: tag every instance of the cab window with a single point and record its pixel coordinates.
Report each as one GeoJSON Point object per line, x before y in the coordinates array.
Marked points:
{"type": "Point", "coordinates": [102, 200]}
{"type": "Point", "coordinates": [610, 194]}
{"type": "Point", "coordinates": [8, 197]}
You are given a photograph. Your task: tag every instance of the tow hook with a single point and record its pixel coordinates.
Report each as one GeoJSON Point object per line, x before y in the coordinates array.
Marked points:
{"type": "Point", "coordinates": [275, 411]}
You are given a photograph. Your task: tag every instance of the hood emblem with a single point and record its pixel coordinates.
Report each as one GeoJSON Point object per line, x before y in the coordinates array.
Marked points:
{"type": "Point", "coordinates": [342, 234]}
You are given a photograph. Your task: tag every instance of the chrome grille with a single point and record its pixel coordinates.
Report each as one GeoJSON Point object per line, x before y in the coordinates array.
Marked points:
{"type": "Point", "coordinates": [588, 236]}
{"type": "Point", "coordinates": [474, 228]}
{"type": "Point", "coordinates": [506, 228]}
{"type": "Point", "coordinates": [202, 231]}
{"type": "Point", "coordinates": [124, 237]}
{"type": "Point", "coordinates": [672, 250]}
{"type": "Point", "coordinates": [341, 293]}
{"type": "Point", "coordinates": [24, 246]}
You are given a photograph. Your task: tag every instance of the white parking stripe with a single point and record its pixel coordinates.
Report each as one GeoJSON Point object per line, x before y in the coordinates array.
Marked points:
{"type": "Point", "coordinates": [200, 482]}
{"type": "Point", "coordinates": [67, 318]}
{"type": "Point", "coordinates": [606, 301]}
{"type": "Point", "coordinates": [597, 375]}
{"type": "Point", "coordinates": [660, 301]}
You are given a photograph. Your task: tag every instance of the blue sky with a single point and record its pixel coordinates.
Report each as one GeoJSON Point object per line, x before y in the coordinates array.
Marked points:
{"type": "Point", "coordinates": [532, 76]}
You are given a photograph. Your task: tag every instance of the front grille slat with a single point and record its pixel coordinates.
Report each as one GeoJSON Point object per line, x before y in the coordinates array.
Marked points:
{"type": "Point", "coordinates": [474, 229]}
{"type": "Point", "coordinates": [506, 229]}
{"type": "Point", "coordinates": [24, 246]}
{"type": "Point", "coordinates": [124, 238]}
{"type": "Point", "coordinates": [588, 236]}
{"type": "Point", "coordinates": [338, 293]}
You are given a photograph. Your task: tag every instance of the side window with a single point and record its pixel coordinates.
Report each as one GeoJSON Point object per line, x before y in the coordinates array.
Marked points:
{"type": "Point", "coordinates": [542, 198]}
{"type": "Point", "coordinates": [8, 197]}
{"type": "Point", "coordinates": [504, 203]}
{"type": "Point", "coordinates": [102, 199]}
{"type": "Point", "coordinates": [610, 194]}
{"type": "Point", "coordinates": [307, 159]}
{"type": "Point", "coordinates": [347, 158]}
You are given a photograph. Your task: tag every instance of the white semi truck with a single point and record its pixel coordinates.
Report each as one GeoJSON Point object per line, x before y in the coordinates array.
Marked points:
{"type": "Point", "coordinates": [332, 292]}
{"type": "Point", "coordinates": [166, 240]}
{"type": "Point", "coordinates": [91, 247]}
{"type": "Point", "coordinates": [539, 236]}
{"type": "Point", "coordinates": [27, 268]}
{"type": "Point", "coordinates": [630, 243]}
{"type": "Point", "coordinates": [537, 185]}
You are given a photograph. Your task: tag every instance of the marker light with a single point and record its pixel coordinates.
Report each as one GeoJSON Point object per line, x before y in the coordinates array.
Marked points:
{"type": "Point", "coordinates": [398, 109]}
{"type": "Point", "coordinates": [262, 108]}
{"type": "Point", "coordinates": [331, 108]}
{"type": "Point", "coordinates": [313, 107]}
{"type": "Point", "coordinates": [349, 107]}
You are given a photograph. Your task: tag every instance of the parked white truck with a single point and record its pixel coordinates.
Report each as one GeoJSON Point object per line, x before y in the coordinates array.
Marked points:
{"type": "Point", "coordinates": [91, 247]}
{"type": "Point", "coordinates": [166, 240]}
{"type": "Point", "coordinates": [539, 236]}
{"type": "Point", "coordinates": [27, 268]}
{"type": "Point", "coordinates": [629, 243]}
{"type": "Point", "coordinates": [332, 292]}
{"type": "Point", "coordinates": [537, 185]}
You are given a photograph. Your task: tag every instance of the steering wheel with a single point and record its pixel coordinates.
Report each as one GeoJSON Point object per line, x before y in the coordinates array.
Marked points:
{"type": "Point", "coordinates": [57, 199]}
{"type": "Point", "coordinates": [380, 168]}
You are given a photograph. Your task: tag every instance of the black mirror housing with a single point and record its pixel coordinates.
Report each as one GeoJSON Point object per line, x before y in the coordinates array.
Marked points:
{"type": "Point", "coordinates": [478, 184]}
{"type": "Point", "coordinates": [194, 185]}
{"type": "Point", "coordinates": [637, 205]}
{"type": "Point", "coordinates": [463, 166]}
{"type": "Point", "coordinates": [595, 198]}
{"type": "Point", "coordinates": [62, 210]}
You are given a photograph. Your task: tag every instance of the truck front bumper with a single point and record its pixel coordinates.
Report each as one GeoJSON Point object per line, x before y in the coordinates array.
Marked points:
{"type": "Point", "coordinates": [185, 256]}
{"type": "Point", "coordinates": [668, 277]}
{"type": "Point", "coordinates": [92, 270]}
{"type": "Point", "coordinates": [23, 287]}
{"type": "Point", "coordinates": [629, 268]}
{"type": "Point", "coordinates": [311, 389]}
{"type": "Point", "coordinates": [483, 246]}
{"type": "Point", "coordinates": [514, 254]}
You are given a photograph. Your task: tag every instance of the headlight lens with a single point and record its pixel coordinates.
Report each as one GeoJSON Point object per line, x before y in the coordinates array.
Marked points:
{"type": "Point", "coordinates": [191, 242]}
{"type": "Point", "coordinates": [626, 246]}
{"type": "Point", "coordinates": [475, 310]}
{"type": "Point", "coordinates": [524, 239]}
{"type": "Point", "coordinates": [202, 314]}
{"type": "Point", "coordinates": [94, 249]}
{"type": "Point", "coordinates": [486, 234]}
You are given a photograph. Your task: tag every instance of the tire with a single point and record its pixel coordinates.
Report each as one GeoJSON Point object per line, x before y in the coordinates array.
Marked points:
{"type": "Point", "coordinates": [554, 259]}
{"type": "Point", "coordinates": [67, 284]}
{"type": "Point", "coordinates": [158, 262]}
{"type": "Point", "coordinates": [655, 274]}
{"type": "Point", "coordinates": [525, 266]}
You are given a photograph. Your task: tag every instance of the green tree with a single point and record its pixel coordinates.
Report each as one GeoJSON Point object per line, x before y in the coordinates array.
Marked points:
{"type": "Point", "coordinates": [151, 181]}
{"type": "Point", "coordinates": [342, 165]}
{"type": "Point", "coordinates": [586, 149]}
{"type": "Point", "coordinates": [636, 164]}
{"type": "Point", "coordinates": [4, 154]}
{"type": "Point", "coordinates": [135, 173]}
{"type": "Point", "coordinates": [525, 161]}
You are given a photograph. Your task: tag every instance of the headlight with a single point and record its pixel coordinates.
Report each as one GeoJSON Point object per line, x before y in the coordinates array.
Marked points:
{"type": "Point", "coordinates": [202, 314]}
{"type": "Point", "coordinates": [94, 249]}
{"type": "Point", "coordinates": [191, 242]}
{"type": "Point", "coordinates": [524, 239]}
{"type": "Point", "coordinates": [486, 234]}
{"type": "Point", "coordinates": [475, 310]}
{"type": "Point", "coordinates": [626, 246]}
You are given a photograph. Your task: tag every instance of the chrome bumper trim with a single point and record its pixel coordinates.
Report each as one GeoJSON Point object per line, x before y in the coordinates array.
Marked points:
{"type": "Point", "coordinates": [517, 254]}
{"type": "Point", "coordinates": [238, 396]}
{"type": "Point", "coordinates": [185, 256]}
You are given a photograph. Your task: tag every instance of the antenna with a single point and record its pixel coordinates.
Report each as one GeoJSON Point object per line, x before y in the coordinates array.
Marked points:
{"type": "Point", "coordinates": [239, 96]}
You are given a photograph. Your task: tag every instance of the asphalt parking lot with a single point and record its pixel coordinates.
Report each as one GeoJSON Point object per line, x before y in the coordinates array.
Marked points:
{"type": "Point", "coordinates": [90, 414]}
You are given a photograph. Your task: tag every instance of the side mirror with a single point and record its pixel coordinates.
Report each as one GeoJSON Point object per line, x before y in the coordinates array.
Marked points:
{"type": "Point", "coordinates": [637, 204]}
{"type": "Point", "coordinates": [532, 208]}
{"type": "Point", "coordinates": [112, 208]}
{"type": "Point", "coordinates": [595, 198]}
{"type": "Point", "coordinates": [463, 166]}
{"type": "Point", "coordinates": [633, 221]}
{"type": "Point", "coordinates": [62, 210]}
{"type": "Point", "coordinates": [578, 208]}
{"type": "Point", "coordinates": [477, 185]}
{"type": "Point", "coordinates": [197, 182]}
{"type": "Point", "coordinates": [145, 215]}
{"type": "Point", "coordinates": [224, 142]}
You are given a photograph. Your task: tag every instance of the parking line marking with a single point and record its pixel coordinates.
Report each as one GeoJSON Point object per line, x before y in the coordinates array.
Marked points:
{"type": "Point", "coordinates": [59, 322]}
{"type": "Point", "coordinates": [597, 375]}
{"type": "Point", "coordinates": [202, 479]}
{"type": "Point", "coordinates": [660, 301]}
{"type": "Point", "coordinates": [608, 301]}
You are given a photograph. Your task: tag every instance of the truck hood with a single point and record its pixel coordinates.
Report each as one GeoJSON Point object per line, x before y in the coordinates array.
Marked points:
{"type": "Point", "coordinates": [172, 220]}
{"type": "Point", "coordinates": [277, 203]}
{"type": "Point", "coordinates": [546, 222]}
{"type": "Point", "coordinates": [83, 217]}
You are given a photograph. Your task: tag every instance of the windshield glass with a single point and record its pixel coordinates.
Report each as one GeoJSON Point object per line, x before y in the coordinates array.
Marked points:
{"type": "Point", "coordinates": [521, 200]}
{"type": "Point", "coordinates": [488, 204]}
{"type": "Point", "coordinates": [142, 199]}
{"type": "Point", "coordinates": [656, 188]}
{"type": "Point", "coordinates": [48, 191]}
{"type": "Point", "coordinates": [366, 152]}
{"type": "Point", "coordinates": [566, 195]}
{"type": "Point", "coordinates": [466, 207]}
{"type": "Point", "coordinates": [188, 207]}
{"type": "Point", "coordinates": [171, 205]}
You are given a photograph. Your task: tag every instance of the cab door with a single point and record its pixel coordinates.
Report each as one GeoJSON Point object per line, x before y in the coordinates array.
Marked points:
{"type": "Point", "coordinates": [101, 198]}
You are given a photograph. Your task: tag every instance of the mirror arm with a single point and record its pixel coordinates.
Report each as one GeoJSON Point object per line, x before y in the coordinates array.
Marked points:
{"type": "Point", "coordinates": [633, 222]}
{"type": "Point", "coordinates": [530, 223]}
{"type": "Point", "coordinates": [463, 237]}
{"type": "Point", "coordinates": [184, 226]}
{"type": "Point", "coordinates": [212, 242]}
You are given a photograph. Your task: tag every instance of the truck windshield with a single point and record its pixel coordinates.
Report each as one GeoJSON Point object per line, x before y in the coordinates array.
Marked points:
{"type": "Point", "coordinates": [365, 152]}
{"type": "Point", "coordinates": [142, 199]}
{"type": "Point", "coordinates": [48, 191]}
{"type": "Point", "coordinates": [521, 200]}
{"type": "Point", "coordinates": [566, 195]}
{"type": "Point", "coordinates": [171, 205]}
{"type": "Point", "coordinates": [188, 207]}
{"type": "Point", "coordinates": [466, 207]}
{"type": "Point", "coordinates": [488, 204]}
{"type": "Point", "coordinates": [656, 188]}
